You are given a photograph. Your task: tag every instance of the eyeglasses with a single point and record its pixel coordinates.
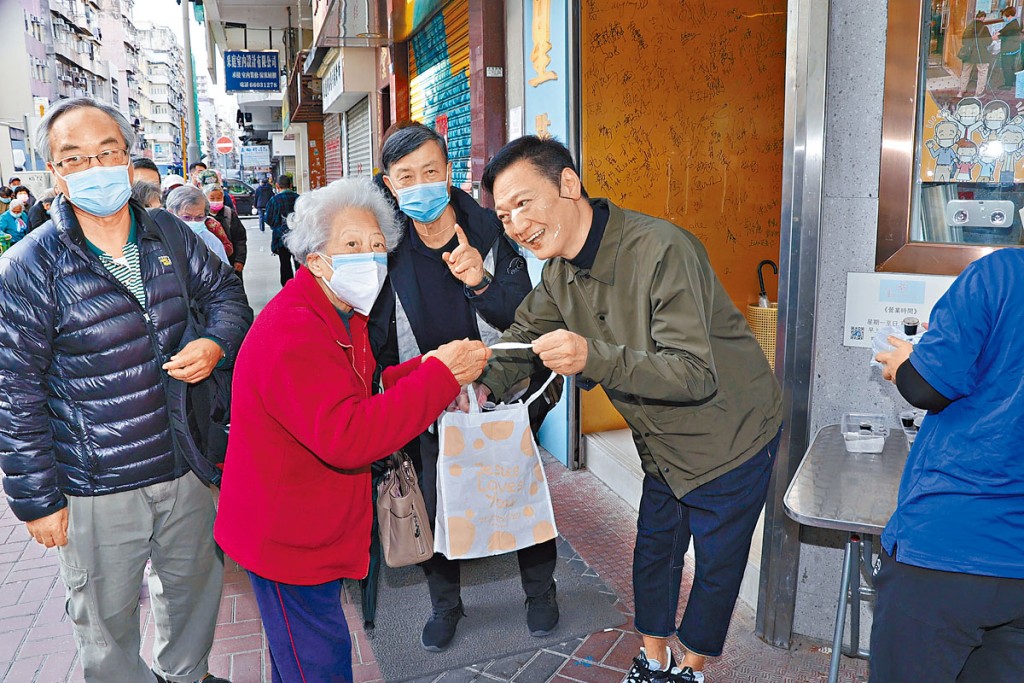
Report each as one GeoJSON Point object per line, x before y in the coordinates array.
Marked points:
{"type": "Point", "coordinates": [108, 157]}
{"type": "Point", "coordinates": [187, 218]}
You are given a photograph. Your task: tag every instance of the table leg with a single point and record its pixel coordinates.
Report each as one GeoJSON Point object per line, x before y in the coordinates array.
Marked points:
{"type": "Point", "coordinates": [855, 560]}
{"type": "Point", "coordinates": [837, 637]}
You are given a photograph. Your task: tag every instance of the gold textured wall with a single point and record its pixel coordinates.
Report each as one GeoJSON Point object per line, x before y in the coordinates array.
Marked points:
{"type": "Point", "coordinates": [683, 105]}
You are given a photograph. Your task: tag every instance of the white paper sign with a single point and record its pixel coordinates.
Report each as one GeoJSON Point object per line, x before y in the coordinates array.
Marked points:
{"type": "Point", "coordinates": [876, 300]}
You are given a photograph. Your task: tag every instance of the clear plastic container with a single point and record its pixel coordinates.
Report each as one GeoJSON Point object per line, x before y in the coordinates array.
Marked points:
{"type": "Point", "coordinates": [864, 432]}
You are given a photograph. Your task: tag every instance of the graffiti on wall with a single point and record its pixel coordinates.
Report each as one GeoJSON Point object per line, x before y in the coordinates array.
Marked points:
{"type": "Point", "coordinates": [439, 84]}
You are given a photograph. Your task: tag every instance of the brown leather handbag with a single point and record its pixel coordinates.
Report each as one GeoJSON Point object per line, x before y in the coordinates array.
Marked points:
{"type": "Point", "coordinates": [405, 534]}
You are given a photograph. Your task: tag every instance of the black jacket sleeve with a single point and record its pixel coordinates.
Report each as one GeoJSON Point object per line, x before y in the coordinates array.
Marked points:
{"type": "Point", "coordinates": [212, 284]}
{"type": "Point", "coordinates": [236, 233]}
{"type": "Point", "coordinates": [510, 285]}
{"type": "Point", "coordinates": [917, 391]}
{"type": "Point", "coordinates": [27, 321]}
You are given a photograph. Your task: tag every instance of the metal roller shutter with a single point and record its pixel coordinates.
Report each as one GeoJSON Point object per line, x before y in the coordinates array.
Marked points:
{"type": "Point", "coordinates": [358, 154]}
{"type": "Point", "coordinates": [332, 147]}
{"type": "Point", "coordinates": [439, 83]}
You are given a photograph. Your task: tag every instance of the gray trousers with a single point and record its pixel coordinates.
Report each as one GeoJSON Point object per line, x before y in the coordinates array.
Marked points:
{"type": "Point", "coordinates": [109, 540]}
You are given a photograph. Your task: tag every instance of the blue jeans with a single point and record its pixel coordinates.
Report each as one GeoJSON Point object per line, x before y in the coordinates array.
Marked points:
{"type": "Point", "coordinates": [263, 213]}
{"type": "Point", "coordinates": [306, 631]}
{"type": "Point", "coordinates": [720, 516]}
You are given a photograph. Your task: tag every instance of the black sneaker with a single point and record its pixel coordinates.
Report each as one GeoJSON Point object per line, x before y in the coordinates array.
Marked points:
{"type": "Point", "coordinates": [641, 671]}
{"type": "Point", "coordinates": [209, 678]}
{"type": "Point", "coordinates": [440, 628]}
{"type": "Point", "coordinates": [542, 613]}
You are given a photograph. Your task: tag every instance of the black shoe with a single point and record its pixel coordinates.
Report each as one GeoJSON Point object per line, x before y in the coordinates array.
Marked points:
{"type": "Point", "coordinates": [641, 671]}
{"type": "Point", "coordinates": [440, 628]}
{"type": "Point", "coordinates": [542, 613]}
{"type": "Point", "coordinates": [209, 678]}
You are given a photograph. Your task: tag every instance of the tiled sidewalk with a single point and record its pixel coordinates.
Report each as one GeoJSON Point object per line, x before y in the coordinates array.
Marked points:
{"type": "Point", "coordinates": [36, 645]}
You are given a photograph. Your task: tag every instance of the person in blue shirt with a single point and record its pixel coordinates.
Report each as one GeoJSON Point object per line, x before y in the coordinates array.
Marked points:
{"type": "Point", "coordinates": [950, 603]}
{"type": "Point", "coordinates": [14, 221]}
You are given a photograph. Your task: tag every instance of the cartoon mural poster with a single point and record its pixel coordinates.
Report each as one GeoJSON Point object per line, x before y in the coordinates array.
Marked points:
{"type": "Point", "coordinates": [971, 140]}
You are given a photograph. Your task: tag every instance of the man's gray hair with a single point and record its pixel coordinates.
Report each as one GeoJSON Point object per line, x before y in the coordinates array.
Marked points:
{"type": "Point", "coordinates": [186, 197]}
{"type": "Point", "coordinates": [312, 221]}
{"type": "Point", "coordinates": [210, 189]}
{"type": "Point", "coordinates": [64, 106]}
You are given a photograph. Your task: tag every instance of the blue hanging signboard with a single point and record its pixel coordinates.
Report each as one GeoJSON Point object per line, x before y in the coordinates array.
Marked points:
{"type": "Point", "coordinates": [255, 71]}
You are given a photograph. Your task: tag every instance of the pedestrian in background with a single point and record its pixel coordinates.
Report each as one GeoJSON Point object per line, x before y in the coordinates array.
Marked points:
{"type": "Point", "coordinates": [14, 222]}
{"type": "Point", "coordinates": [190, 205]}
{"type": "Point", "coordinates": [280, 207]}
{"type": "Point", "coordinates": [6, 197]}
{"type": "Point", "coordinates": [16, 186]}
{"type": "Point", "coordinates": [40, 212]}
{"type": "Point", "coordinates": [228, 218]}
{"type": "Point", "coordinates": [146, 194]}
{"type": "Point", "coordinates": [264, 193]}
{"type": "Point", "coordinates": [146, 170]}
{"type": "Point", "coordinates": [974, 51]}
{"type": "Point", "coordinates": [1009, 46]}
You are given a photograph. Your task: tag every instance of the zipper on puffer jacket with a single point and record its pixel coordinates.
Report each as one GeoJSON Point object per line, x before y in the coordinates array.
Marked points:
{"type": "Point", "coordinates": [154, 341]}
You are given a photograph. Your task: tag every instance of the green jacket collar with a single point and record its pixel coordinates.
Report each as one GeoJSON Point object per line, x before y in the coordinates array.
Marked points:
{"type": "Point", "coordinates": [608, 253]}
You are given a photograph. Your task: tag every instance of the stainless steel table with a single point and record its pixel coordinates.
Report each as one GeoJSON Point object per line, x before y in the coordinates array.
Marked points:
{"type": "Point", "coordinates": [851, 492]}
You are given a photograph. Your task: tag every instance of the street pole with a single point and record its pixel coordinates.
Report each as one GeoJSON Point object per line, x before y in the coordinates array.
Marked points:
{"type": "Point", "coordinates": [190, 86]}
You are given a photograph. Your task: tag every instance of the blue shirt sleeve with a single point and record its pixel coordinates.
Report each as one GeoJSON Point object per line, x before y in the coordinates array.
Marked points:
{"type": "Point", "coordinates": [959, 327]}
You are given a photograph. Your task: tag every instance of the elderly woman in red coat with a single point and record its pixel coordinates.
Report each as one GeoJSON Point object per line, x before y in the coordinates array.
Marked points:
{"type": "Point", "coordinates": [295, 505]}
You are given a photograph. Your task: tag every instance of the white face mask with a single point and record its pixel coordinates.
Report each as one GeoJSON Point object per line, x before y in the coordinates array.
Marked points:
{"type": "Point", "coordinates": [357, 278]}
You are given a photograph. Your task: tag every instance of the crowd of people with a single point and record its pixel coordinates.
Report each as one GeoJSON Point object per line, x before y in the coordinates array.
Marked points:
{"type": "Point", "coordinates": [128, 299]}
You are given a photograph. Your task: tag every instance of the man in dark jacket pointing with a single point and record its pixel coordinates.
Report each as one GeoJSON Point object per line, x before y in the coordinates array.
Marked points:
{"type": "Point", "coordinates": [91, 322]}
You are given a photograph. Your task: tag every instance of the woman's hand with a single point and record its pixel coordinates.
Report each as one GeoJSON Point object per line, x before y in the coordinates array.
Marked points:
{"type": "Point", "coordinates": [466, 359]}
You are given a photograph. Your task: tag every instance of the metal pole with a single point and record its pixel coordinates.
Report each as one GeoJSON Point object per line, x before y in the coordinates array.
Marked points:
{"type": "Point", "coordinates": [802, 179]}
{"type": "Point", "coordinates": [192, 146]}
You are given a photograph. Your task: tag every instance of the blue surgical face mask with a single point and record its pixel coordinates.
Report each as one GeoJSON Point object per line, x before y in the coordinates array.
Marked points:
{"type": "Point", "coordinates": [5, 200]}
{"type": "Point", "coordinates": [100, 190]}
{"type": "Point", "coordinates": [424, 203]}
{"type": "Point", "coordinates": [197, 226]}
{"type": "Point", "coordinates": [357, 278]}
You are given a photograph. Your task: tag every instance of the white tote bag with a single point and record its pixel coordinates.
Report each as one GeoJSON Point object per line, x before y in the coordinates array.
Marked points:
{"type": "Point", "coordinates": [492, 495]}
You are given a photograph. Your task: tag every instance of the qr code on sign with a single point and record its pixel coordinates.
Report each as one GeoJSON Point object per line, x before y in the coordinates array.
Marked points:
{"type": "Point", "coordinates": [857, 333]}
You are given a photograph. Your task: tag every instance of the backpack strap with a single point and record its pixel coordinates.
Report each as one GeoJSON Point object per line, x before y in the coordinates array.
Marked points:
{"type": "Point", "coordinates": [170, 235]}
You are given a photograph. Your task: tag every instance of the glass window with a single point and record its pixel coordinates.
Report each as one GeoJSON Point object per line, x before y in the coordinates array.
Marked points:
{"type": "Point", "coordinates": [969, 167]}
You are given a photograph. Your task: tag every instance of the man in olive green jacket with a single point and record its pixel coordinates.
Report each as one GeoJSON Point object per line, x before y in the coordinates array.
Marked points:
{"type": "Point", "coordinates": [630, 302]}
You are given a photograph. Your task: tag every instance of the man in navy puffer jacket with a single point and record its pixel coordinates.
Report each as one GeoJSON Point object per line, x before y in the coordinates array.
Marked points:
{"type": "Point", "coordinates": [91, 323]}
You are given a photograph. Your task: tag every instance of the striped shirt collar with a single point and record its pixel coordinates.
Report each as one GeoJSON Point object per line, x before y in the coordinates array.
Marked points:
{"type": "Point", "coordinates": [133, 237]}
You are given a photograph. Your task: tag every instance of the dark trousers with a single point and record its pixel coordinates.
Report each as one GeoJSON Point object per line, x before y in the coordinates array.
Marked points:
{"type": "Point", "coordinates": [720, 516]}
{"type": "Point", "coordinates": [943, 627]}
{"type": "Point", "coordinates": [444, 581]}
{"type": "Point", "coordinates": [263, 213]}
{"type": "Point", "coordinates": [1009, 65]}
{"type": "Point", "coordinates": [306, 631]}
{"type": "Point", "coordinates": [287, 272]}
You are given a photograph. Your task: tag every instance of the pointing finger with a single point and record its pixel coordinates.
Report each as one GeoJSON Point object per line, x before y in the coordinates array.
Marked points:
{"type": "Point", "coordinates": [461, 234]}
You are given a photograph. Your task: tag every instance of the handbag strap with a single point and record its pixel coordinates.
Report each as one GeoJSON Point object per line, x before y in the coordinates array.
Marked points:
{"type": "Point", "coordinates": [474, 404]}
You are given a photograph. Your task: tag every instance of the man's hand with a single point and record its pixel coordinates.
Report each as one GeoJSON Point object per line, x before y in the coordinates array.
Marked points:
{"type": "Point", "coordinates": [466, 359]}
{"type": "Point", "coordinates": [51, 530]}
{"type": "Point", "coordinates": [892, 360]}
{"type": "Point", "coordinates": [562, 351]}
{"type": "Point", "coordinates": [465, 262]}
{"type": "Point", "coordinates": [239, 267]}
{"type": "Point", "coordinates": [461, 402]}
{"type": "Point", "coordinates": [195, 362]}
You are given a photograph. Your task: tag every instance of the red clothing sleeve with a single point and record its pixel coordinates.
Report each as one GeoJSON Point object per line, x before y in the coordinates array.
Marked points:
{"type": "Point", "coordinates": [319, 400]}
{"type": "Point", "coordinates": [397, 372]}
